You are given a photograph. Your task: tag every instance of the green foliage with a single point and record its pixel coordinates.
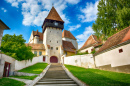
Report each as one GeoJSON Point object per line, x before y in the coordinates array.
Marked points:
{"type": "Point", "coordinates": [25, 77]}
{"type": "Point", "coordinates": [112, 16]}
{"type": "Point", "coordinates": [79, 53]}
{"type": "Point", "coordinates": [15, 47]}
{"type": "Point", "coordinates": [10, 82]}
{"type": "Point", "coordinates": [36, 68]}
{"type": "Point", "coordinates": [96, 77]}
{"type": "Point", "coordinates": [93, 51]}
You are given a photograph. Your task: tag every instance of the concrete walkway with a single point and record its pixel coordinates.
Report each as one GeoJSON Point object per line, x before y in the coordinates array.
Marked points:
{"type": "Point", "coordinates": [56, 76]}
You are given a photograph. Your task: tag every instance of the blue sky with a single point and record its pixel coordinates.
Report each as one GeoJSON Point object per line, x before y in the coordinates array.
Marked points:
{"type": "Point", "coordinates": [23, 16]}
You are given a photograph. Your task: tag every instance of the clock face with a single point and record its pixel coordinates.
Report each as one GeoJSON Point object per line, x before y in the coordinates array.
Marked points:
{"type": "Point", "coordinates": [56, 23]}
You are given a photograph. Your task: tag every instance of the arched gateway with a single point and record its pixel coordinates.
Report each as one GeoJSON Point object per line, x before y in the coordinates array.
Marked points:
{"type": "Point", "coordinates": [53, 59]}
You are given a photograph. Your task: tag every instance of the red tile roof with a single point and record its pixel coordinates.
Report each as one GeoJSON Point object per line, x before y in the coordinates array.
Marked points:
{"type": "Point", "coordinates": [67, 34]}
{"type": "Point", "coordinates": [39, 34]}
{"type": "Point", "coordinates": [118, 38]}
{"type": "Point", "coordinates": [68, 46]}
{"type": "Point", "coordinates": [53, 15]}
{"type": "Point", "coordinates": [36, 46]}
{"type": "Point", "coordinates": [92, 41]}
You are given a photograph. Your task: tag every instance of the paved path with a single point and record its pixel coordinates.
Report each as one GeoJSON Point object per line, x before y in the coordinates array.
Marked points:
{"type": "Point", "coordinates": [56, 76]}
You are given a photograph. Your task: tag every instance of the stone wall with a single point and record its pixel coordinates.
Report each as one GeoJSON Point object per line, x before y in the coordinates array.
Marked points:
{"type": "Point", "coordinates": [85, 61]}
{"type": "Point", "coordinates": [25, 63]}
{"type": "Point", "coordinates": [4, 58]}
{"type": "Point", "coordinates": [113, 60]}
{"type": "Point", "coordinates": [1, 34]}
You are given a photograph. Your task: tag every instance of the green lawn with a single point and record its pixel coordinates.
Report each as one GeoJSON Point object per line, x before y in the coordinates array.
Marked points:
{"type": "Point", "coordinates": [96, 77]}
{"type": "Point", "coordinates": [10, 82]}
{"type": "Point", "coordinates": [36, 68]}
{"type": "Point", "coordinates": [25, 77]}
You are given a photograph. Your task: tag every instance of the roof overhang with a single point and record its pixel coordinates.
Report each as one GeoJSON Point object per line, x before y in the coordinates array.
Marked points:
{"type": "Point", "coordinates": [3, 25]}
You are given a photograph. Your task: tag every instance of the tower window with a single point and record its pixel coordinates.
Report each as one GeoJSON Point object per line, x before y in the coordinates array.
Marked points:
{"type": "Point", "coordinates": [50, 40]}
{"type": "Point", "coordinates": [56, 48]}
{"type": "Point", "coordinates": [57, 41]}
{"type": "Point", "coordinates": [51, 48]}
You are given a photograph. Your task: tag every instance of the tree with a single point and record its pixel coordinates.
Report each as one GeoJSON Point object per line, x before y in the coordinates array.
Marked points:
{"type": "Point", "coordinates": [112, 16]}
{"type": "Point", "coordinates": [15, 47]}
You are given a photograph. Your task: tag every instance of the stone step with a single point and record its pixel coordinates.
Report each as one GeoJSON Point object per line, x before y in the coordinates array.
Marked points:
{"type": "Point", "coordinates": [57, 82]}
{"type": "Point", "coordinates": [58, 85]}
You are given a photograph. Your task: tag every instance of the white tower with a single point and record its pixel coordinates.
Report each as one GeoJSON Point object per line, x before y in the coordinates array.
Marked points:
{"type": "Point", "coordinates": [52, 35]}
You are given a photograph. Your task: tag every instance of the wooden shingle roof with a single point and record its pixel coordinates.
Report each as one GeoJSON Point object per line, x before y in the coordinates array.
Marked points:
{"type": "Point", "coordinates": [36, 46]}
{"type": "Point", "coordinates": [39, 34]}
{"type": "Point", "coordinates": [118, 38]}
{"type": "Point", "coordinates": [53, 15]}
{"type": "Point", "coordinates": [92, 41]}
{"type": "Point", "coordinates": [67, 34]}
{"type": "Point", "coordinates": [68, 46]}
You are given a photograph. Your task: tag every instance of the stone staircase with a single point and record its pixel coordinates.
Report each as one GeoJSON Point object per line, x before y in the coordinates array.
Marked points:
{"type": "Point", "coordinates": [56, 76]}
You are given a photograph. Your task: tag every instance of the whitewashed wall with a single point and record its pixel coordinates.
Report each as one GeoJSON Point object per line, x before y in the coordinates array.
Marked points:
{"type": "Point", "coordinates": [22, 64]}
{"type": "Point", "coordinates": [1, 34]}
{"type": "Point", "coordinates": [114, 58]}
{"type": "Point", "coordinates": [85, 61]}
{"type": "Point", "coordinates": [89, 49]}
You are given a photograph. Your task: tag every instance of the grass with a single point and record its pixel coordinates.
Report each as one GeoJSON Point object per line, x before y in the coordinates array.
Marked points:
{"type": "Point", "coordinates": [10, 82]}
{"type": "Point", "coordinates": [96, 77]}
{"type": "Point", "coordinates": [35, 69]}
{"type": "Point", "coordinates": [25, 77]}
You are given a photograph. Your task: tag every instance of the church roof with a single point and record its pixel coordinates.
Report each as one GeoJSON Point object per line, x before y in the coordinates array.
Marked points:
{"type": "Point", "coordinates": [3, 25]}
{"type": "Point", "coordinates": [92, 41]}
{"type": "Point", "coordinates": [118, 38]}
{"type": "Point", "coordinates": [67, 34]}
{"type": "Point", "coordinates": [68, 46]}
{"type": "Point", "coordinates": [53, 15]}
{"type": "Point", "coordinates": [36, 46]}
{"type": "Point", "coordinates": [39, 34]}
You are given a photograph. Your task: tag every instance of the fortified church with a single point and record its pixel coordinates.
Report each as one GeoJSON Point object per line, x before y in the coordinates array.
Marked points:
{"type": "Point", "coordinates": [52, 43]}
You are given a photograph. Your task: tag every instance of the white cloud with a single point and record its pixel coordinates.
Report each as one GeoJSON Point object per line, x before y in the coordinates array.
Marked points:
{"type": "Point", "coordinates": [4, 9]}
{"type": "Point", "coordinates": [73, 1]}
{"type": "Point", "coordinates": [89, 12]}
{"type": "Point", "coordinates": [72, 28]}
{"type": "Point", "coordinates": [35, 11]}
{"type": "Point", "coordinates": [84, 36]}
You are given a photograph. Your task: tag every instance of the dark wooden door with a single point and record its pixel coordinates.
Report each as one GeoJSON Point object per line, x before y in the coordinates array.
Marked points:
{"type": "Point", "coordinates": [44, 58]}
{"type": "Point", "coordinates": [53, 59]}
{"type": "Point", "coordinates": [6, 69]}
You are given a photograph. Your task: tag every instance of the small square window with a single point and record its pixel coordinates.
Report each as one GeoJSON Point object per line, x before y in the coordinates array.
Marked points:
{"type": "Point", "coordinates": [56, 48]}
{"type": "Point", "coordinates": [120, 50]}
{"type": "Point", "coordinates": [40, 53]}
{"type": "Point", "coordinates": [35, 52]}
{"type": "Point", "coordinates": [51, 48]}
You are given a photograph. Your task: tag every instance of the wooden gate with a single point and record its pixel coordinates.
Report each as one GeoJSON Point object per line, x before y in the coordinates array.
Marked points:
{"type": "Point", "coordinates": [53, 59]}
{"type": "Point", "coordinates": [44, 58]}
{"type": "Point", "coordinates": [6, 69]}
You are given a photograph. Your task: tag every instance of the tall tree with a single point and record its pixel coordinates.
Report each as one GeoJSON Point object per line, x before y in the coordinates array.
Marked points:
{"type": "Point", "coordinates": [112, 16]}
{"type": "Point", "coordinates": [15, 47]}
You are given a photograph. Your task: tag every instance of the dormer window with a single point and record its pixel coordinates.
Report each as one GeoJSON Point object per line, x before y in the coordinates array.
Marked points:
{"type": "Point", "coordinates": [56, 23]}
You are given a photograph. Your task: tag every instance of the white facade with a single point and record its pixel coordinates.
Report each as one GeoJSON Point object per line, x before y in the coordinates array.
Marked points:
{"type": "Point", "coordinates": [1, 34]}
{"type": "Point", "coordinates": [87, 49]}
{"type": "Point", "coordinates": [74, 42]}
{"type": "Point", "coordinates": [113, 57]}
{"type": "Point", "coordinates": [85, 61]}
{"type": "Point", "coordinates": [53, 38]}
